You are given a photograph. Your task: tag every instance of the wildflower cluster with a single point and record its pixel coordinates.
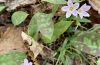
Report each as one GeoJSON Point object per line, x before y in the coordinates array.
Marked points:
{"type": "Point", "coordinates": [73, 9]}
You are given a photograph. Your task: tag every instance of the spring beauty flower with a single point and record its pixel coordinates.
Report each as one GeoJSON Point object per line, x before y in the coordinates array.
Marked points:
{"type": "Point", "coordinates": [82, 11]}
{"type": "Point", "coordinates": [26, 62]}
{"type": "Point", "coordinates": [71, 9]}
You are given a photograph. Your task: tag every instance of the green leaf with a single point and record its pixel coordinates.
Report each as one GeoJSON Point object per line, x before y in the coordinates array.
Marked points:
{"type": "Point", "coordinates": [67, 61]}
{"type": "Point", "coordinates": [56, 1]}
{"type": "Point", "coordinates": [59, 28]}
{"type": "Point", "coordinates": [2, 7]}
{"type": "Point", "coordinates": [32, 27]}
{"type": "Point", "coordinates": [88, 41]}
{"type": "Point", "coordinates": [82, 20]}
{"type": "Point", "coordinates": [41, 22]}
{"type": "Point", "coordinates": [12, 58]}
{"type": "Point", "coordinates": [18, 17]}
{"type": "Point", "coordinates": [98, 62]}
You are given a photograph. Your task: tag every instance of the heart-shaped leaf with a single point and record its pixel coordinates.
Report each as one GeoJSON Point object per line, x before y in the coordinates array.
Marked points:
{"type": "Point", "coordinates": [41, 22]}
{"type": "Point", "coordinates": [18, 17]}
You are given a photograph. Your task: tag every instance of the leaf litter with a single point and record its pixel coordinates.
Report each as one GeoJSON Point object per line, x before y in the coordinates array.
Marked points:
{"type": "Point", "coordinates": [11, 41]}
{"type": "Point", "coordinates": [37, 48]}
{"type": "Point", "coordinates": [12, 4]}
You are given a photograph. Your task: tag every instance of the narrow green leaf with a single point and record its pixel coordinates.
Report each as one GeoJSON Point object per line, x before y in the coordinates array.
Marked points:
{"type": "Point", "coordinates": [18, 17]}
{"type": "Point", "coordinates": [60, 28]}
{"type": "Point", "coordinates": [67, 61]}
{"type": "Point", "coordinates": [56, 1]}
{"type": "Point", "coordinates": [85, 20]}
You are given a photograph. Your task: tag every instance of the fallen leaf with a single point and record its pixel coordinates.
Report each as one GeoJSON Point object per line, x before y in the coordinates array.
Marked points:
{"type": "Point", "coordinates": [37, 62]}
{"type": "Point", "coordinates": [95, 4]}
{"type": "Point", "coordinates": [11, 41]}
{"type": "Point", "coordinates": [12, 4]}
{"type": "Point", "coordinates": [37, 48]}
{"type": "Point", "coordinates": [2, 1]}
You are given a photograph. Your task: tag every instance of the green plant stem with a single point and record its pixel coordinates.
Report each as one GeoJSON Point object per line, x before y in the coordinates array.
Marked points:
{"type": "Point", "coordinates": [54, 10]}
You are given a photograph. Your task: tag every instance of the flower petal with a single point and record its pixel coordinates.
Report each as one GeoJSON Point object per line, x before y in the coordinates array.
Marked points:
{"type": "Point", "coordinates": [75, 12]}
{"type": "Point", "coordinates": [30, 63]}
{"type": "Point", "coordinates": [70, 3]}
{"type": "Point", "coordinates": [25, 61]}
{"type": "Point", "coordinates": [76, 5]}
{"type": "Point", "coordinates": [81, 16]}
{"type": "Point", "coordinates": [22, 64]}
{"type": "Point", "coordinates": [85, 14]}
{"type": "Point", "coordinates": [68, 14]}
{"type": "Point", "coordinates": [64, 8]}
{"type": "Point", "coordinates": [85, 7]}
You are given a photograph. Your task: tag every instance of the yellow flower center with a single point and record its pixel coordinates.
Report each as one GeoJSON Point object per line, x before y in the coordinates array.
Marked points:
{"type": "Point", "coordinates": [71, 8]}
{"type": "Point", "coordinates": [79, 10]}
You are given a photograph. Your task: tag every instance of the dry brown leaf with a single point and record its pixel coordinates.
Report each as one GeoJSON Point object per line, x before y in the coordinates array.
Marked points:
{"type": "Point", "coordinates": [2, 1]}
{"type": "Point", "coordinates": [36, 62]}
{"type": "Point", "coordinates": [95, 4]}
{"type": "Point", "coordinates": [11, 41]}
{"type": "Point", "coordinates": [2, 30]}
{"type": "Point", "coordinates": [12, 4]}
{"type": "Point", "coordinates": [37, 48]}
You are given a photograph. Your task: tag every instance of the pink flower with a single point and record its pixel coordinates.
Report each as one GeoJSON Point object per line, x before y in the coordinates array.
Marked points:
{"type": "Point", "coordinates": [83, 11]}
{"type": "Point", "coordinates": [26, 62]}
{"type": "Point", "coordinates": [70, 9]}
